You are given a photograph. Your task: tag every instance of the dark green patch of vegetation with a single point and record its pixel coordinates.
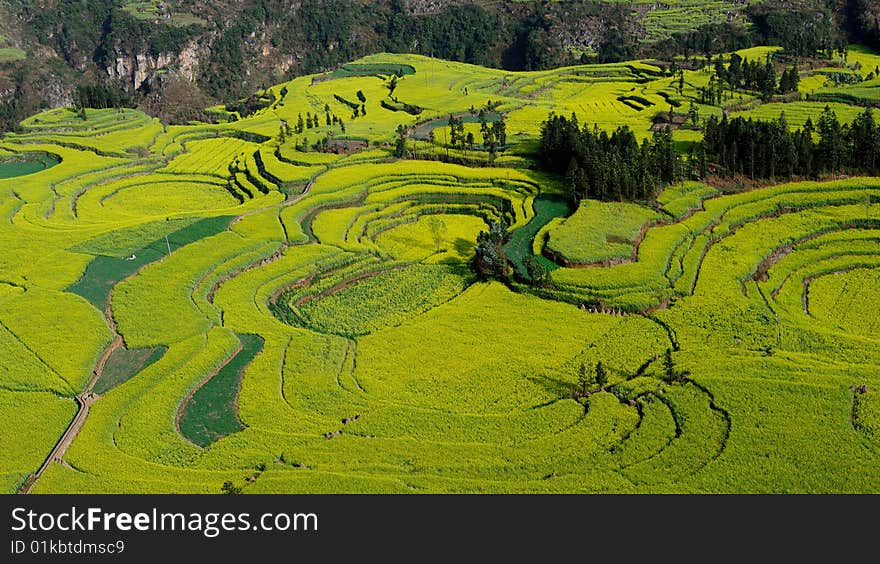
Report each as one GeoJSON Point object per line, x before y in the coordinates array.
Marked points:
{"type": "Point", "coordinates": [769, 149]}
{"type": "Point", "coordinates": [801, 30]}
{"type": "Point", "coordinates": [635, 102]}
{"type": "Point", "coordinates": [423, 130]}
{"type": "Point", "coordinates": [519, 247]}
{"type": "Point", "coordinates": [707, 40]}
{"type": "Point", "coordinates": [743, 74]}
{"type": "Point", "coordinates": [99, 30]}
{"type": "Point", "coordinates": [251, 105]}
{"type": "Point", "coordinates": [372, 69]}
{"type": "Point", "coordinates": [27, 164]}
{"type": "Point", "coordinates": [490, 254]}
{"type": "Point", "coordinates": [493, 133]}
{"type": "Point", "coordinates": [396, 105]}
{"type": "Point", "coordinates": [607, 167]}
{"type": "Point", "coordinates": [104, 272]}
{"type": "Point", "coordinates": [210, 414]}
{"type": "Point", "coordinates": [123, 242]}
{"type": "Point", "coordinates": [100, 96]}
{"type": "Point", "coordinates": [123, 364]}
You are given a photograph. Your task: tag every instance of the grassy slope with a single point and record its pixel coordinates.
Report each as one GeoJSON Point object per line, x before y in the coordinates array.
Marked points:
{"type": "Point", "coordinates": [599, 231]}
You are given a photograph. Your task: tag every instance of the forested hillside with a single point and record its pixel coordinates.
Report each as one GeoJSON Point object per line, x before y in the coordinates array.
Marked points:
{"type": "Point", "coordinates": [173, 58]}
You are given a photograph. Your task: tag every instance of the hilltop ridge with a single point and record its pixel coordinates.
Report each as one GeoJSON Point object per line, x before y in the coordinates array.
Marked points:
{"type": "Point", "coordinates": [172, 58]}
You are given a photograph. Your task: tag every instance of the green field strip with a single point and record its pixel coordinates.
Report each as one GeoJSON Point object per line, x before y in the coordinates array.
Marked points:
{"type": "Point", "coordinates": [546, 209]}
{"type": "Point", "coordinates": [124, 364]}
{"type": "Point", "coordinates": [11, 166]}
{"type": "Point", "coordinates": [210, 413]}
{"type": "Point", "coordinates": [104, 272]}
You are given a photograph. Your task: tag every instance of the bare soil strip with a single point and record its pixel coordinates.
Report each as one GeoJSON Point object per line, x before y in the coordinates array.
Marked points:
{"type": "Point", "coordinates": [84, 400]}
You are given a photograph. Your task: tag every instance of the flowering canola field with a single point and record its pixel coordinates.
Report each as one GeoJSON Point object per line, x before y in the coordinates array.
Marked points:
{"type": "Point", "coordinates": [312, 325]}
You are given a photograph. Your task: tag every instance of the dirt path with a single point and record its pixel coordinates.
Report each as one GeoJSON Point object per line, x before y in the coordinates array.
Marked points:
{"type": "Point", "coordinates": [87, 397]}
{"type": "Point", "coordinates": [84, 401]}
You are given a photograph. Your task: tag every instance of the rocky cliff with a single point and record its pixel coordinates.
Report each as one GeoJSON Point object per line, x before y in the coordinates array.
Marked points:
{"type": "Point", "coordinates": [135, 69]}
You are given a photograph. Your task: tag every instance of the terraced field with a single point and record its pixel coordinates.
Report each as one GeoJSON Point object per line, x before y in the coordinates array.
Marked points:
{"type": "Point", "coordinates": [182, 306]}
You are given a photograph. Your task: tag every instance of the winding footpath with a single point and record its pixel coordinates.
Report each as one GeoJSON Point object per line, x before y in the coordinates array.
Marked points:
{"type": "Point", "coordinates": [87, 397]}
{"type": "Point", "coordinates": [84, 401]}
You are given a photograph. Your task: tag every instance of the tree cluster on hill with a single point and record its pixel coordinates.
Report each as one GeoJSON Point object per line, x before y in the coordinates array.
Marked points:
{"type": "Point", "coordinates": [251, 105]}
{"type": "Point", "coordinates": [615, 167]}
{"type": "Point", "coordinates": [801, 29]}
{"type": "Point", "coordinates": [311, 121]}
{"type": "Point", "coordinates": [94, 30]}
{"type": "Point", "coordinates": [770, 149]}
{"type": "Point", "coordinates": [490, 258]}
{"type": "Point", "coordinates": [607, 167]}
{"type": "Point", "coordinates": [744, 73]}
{"type": "Point", "coordinates": [589, 382]}
{"type": "Point", "coordinates": [457, 137]}
{"type": "Point", "coordinates": [100, 96]}
{"type": "Point", "coordinates": [619, 42]}
{"type": "Point", "coordinates": [738, 73]}
{"type": "Point", "coordinates": [494, 134]}
{"type": "Point", "coordinates": [862, 23]}
{"type": "Point", "coordinates": [400, 143]}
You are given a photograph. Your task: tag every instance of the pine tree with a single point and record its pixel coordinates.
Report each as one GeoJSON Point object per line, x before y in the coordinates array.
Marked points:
{"type": "Point", "coordinates": [863, 135]}
{"type": "Point", "coordinates": [734, 72]}
{"type": "Point", "coordinates": [601, 375]}
{"type": "Point", "coordinates": [694, 114]}
{"type": "Point", "coordinates": [453, 130]}
{"type": "Point", "coordinates": [500, 130]}
{"type": "Point", "coordinates": [400, 145]}
{"type": "Point", "coordinates": [490, 258]}
{"type": "Point", "coordinates": [830, 147]}
{"type": "Point", "coordinates": [767, 81]}
{"type": "Point", "coordinates": [583, 381]}
{"type": "Point", "coordinates": [789, 80]}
